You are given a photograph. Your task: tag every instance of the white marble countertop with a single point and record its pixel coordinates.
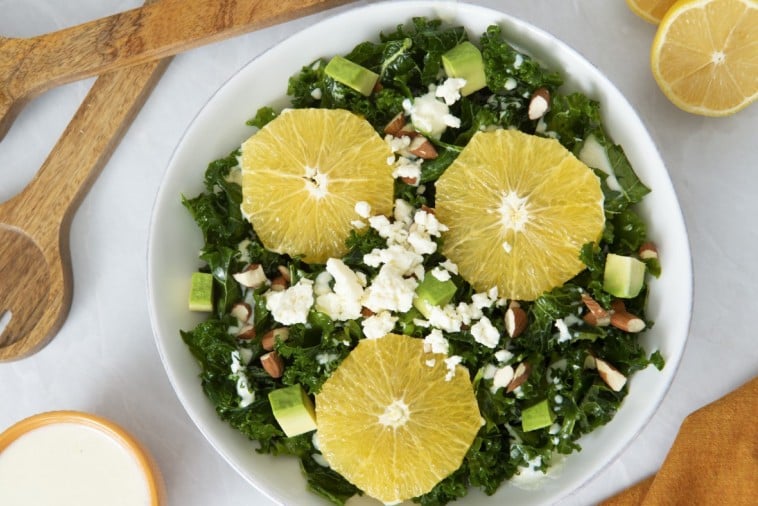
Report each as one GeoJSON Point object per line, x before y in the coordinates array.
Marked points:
{"type": "Point", "coordinates": [104, 359]}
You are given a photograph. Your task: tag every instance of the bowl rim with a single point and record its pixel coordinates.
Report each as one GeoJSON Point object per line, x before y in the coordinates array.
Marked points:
{"type": "Point", "coordinates": [673, 360]}
{"type": "Point", "coordinates": [147, 465]}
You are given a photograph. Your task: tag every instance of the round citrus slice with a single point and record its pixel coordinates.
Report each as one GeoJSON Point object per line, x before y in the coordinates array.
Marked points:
{"type": "Point", "coordinates": [650, 10]}
{"type": "Point", "coordinates": [519, 208]}
{"type": "Point", "coordinates": [302, 175]}
{"type": "Point", "coordinates": [705, 55]}
{"type": "Point", "coordinates": [392, 421]}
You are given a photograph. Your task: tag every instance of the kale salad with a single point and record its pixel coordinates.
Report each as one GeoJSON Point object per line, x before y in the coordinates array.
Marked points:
{"type": "Point", "coordinates": [557, 366]}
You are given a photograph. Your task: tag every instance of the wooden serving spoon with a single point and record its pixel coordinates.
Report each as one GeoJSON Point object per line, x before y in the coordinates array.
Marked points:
{"type": "Point", "coordinates": [35, 263]}
{"type": "Point", "coordinates": [30, 66]}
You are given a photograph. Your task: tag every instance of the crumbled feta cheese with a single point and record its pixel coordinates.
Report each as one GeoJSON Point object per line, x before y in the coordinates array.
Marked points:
{"type": "Point", "coordinates": [378, 325]}
{"type": "Point", "coordinates": [510, 84]}
{"type": "Point", "coordinates": [344, 302]}
{"type": "Point", "coordinates": [358, 224]}
{"type": "Point", "coordinates": [390, 291]}
{"type": "Point", "coordinates": [503, 355]}
{"type": "Point", "coordinates": [429, 115]}
{"type": "Point", "coordinates": [435, 342]}
{"type": "Point", "coordinates": [431, 362]}
{"type": "Point", "coordinates": [489, 371]}
{"type": "Point", "coordinates": [450, 90]}
{"type": "Point", "coordinates": [517, 61]}
{"type": "Point", "coordinates": [441, 274]}
{"type": "Point", "coordinates": [403, 212]}
{"type": "Point", "coordinates": [445, 318]}
{"type": "Point", "coordinates": [485, 333]}
{"type": "Point", "coordinates": [407, 168]}
{"type": "Point", "coordinates": [316, 93]}
{"type": "Point", "coordinates": [363, 209]}
{"type": "Point", "coordinates": [322, 284]}
{"type": "Point", "coordinates": [450, 266]}
{"type": "Point", "coordinates": [291, 306]}
{"type": "Point", "coordinates": [397, 144]}
{"type": "Point", "coordinates": [421, 242]}
{"type": "Point", "coordinates": [451, 362]}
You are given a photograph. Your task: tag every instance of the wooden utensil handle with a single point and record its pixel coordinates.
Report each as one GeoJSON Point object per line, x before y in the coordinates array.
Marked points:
{"type": "Point", "coordinates": [161, 29]}
{"type": "Point", "coordinates": [43, 209]}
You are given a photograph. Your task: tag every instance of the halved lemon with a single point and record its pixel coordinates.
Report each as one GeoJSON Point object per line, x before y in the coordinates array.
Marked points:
{"type": "Point", "coordinates": [650, 10]}
{"type": "Point", "coordinates": [519, 208]}
{"type": "Point", "coordinates": [302, 175]}
{"type": "Point", "coordinates": [705, 55]}
{"type": "Point", "coordinates": [392, 421]}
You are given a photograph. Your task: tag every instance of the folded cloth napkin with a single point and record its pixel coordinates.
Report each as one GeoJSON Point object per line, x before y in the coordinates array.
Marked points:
{"type": "Point", "coordinates": [714, 458]}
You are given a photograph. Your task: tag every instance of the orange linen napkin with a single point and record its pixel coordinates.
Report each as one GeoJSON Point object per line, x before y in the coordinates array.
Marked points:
{"type": "Point", "coordinates": [714, 459]}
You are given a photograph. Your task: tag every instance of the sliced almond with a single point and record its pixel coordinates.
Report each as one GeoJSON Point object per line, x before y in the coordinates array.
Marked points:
{"type": "Point", "coordinates": [624, 320]}
{"type": "Point", "coordinates": [597, 316]}
{"type": "Point", "coordinates": [539, 104]}
{"type": "Point", "coordinates": [520, 375]}
{"type": "Point", "coordinates": [246, 333]}
{"type": "Point", "coordinates": [273, 364]}
{"type": "Point", "coordinates": [242, 311]}
{"type": "Point", "coordinates": [285, 272]}
{"type": "Point", "coordinates": [648, 251]}
{"type": "Point", "coordinates": [423, 148]}
{"type": "Point", "coordinates": [612, 377]}
{"type": "Point", "coordinates": [515, 320]}
{"type": "Point", "coordinates": [279, 283]}
{"type": "Point", "coordinates": [395, 124]}
{"type": "Point", "coordinates": [251, 277]}
{"type": "Point", "coordinates": [269, 338]}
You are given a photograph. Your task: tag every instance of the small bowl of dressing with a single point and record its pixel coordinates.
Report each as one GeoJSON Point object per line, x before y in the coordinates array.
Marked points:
{"type": "Point", "coordinates": [74, 458]}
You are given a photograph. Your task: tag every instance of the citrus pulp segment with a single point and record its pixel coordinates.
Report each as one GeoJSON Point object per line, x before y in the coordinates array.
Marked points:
{"type": "Point", "coordinates": [390, 421]}
{"type": "Point", "coordinates": [519, 208]}
{"type": "Point", "coordinates": [705, 55]}
{"type": "Point", "coordinates": [302, 175]}
{"type": "Point", "coordinates": [650, 10]}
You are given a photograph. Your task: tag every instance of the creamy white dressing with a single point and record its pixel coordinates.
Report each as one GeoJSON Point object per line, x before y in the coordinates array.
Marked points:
{"type": "Point", "coordinates": [69, 464]}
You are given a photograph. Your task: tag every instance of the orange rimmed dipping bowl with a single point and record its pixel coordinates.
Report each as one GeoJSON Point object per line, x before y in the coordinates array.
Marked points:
{"type": "Point", "coordinates": [75, 458]}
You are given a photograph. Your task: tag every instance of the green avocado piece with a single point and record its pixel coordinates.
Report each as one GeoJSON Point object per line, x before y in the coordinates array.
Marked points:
{"type": "Point", "coordinates": [201, 292]}
{"type": "Point", "coordinates": [433, 292]}
{"type": "Point", "coordinates": [465, 61]}
{"type": "Point", "coordinates": [293, 409]}
{"type": "Point", "coordinates": [623, 276]}
{"type": "Point", "coordinates": [537, 416]}
{"type": "Point", "coordinates": [351, 74]}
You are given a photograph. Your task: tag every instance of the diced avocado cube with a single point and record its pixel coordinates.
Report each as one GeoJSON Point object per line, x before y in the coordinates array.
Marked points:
{"type": "Point", "coordinates": [465, 61]}
{"type": "Point", "coordinates": [433, 292]}
{"type": "Point", "coordinates": [201, 292]}
{"type": "Point", "coordinates": [293, 409]}
{"type": "Point", "coordinates": [351, 74]}
{"type": "Point", "coordinates": [623, 276]}
{"type": "Point", "coordinates": [537, 416]}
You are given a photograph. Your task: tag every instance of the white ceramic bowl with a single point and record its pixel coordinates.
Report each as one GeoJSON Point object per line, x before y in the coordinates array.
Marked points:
{"type": "Point", "coordinates": [220, 127]}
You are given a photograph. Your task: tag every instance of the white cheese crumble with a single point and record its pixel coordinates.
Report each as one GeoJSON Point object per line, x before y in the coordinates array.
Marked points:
{"type": "Point", "coordinates": [363, 209]}
{"type": "Point", "coordinates": [451, 362]}
{"type": "Point", "coordinates": [485, 333]}
{"type": "Point", "coordinates": [430, 116]}
{"type": "Point", "coordinates": [343, 301]}
{"type": "Point", "coordinates": [450, 90]}
{"type": "Point", "coordinates": [291, 306]}
{"type": "Point", "coordinates": [435, 342]}
{"type": "Point", "coordinates": [378, 325]}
